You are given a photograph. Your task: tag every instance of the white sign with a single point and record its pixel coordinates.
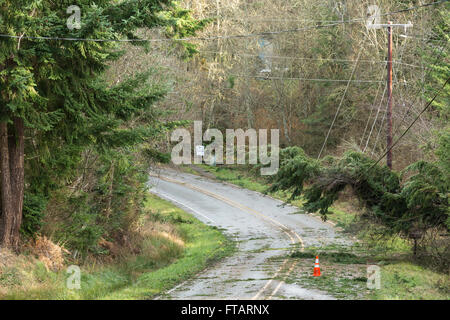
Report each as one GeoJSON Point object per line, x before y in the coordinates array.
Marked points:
{"type": "Point", "coordinates": [200, 150]}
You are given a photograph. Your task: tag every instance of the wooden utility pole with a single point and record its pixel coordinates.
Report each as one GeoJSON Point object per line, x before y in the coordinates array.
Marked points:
{"type": "Point", "coordinates": [389, 27]}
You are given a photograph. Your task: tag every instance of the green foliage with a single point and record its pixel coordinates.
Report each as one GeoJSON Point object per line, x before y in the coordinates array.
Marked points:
{"type": "Point", "coordinates": [158, 156]}
{"type": "Point", "coordinates": [436, 54]}
{"type": "Point", "coordinates": [33, 213]}
{"type": "Point", "coordinates": [161, 264]}
{"type": "Point", "coordinates": [443, 152]}
{"type": "Point", "coordinates": [419, 202]}
{"type": "Point", "coordinates": [295, 170]}
{"type": "Point", "coordinates": [84, 133]}
{"type": "Point", "coordinates": [289, 153]}
{"type": "Point", "coordinates": [426, 194]}
{"type": "Point", "coordinates": [330, 43]}
{"type": "Point", "coordinates": [82, 231]}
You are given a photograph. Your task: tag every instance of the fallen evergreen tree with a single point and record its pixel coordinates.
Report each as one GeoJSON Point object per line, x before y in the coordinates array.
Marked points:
{"type": "Point", "coordinates": [412, 201]}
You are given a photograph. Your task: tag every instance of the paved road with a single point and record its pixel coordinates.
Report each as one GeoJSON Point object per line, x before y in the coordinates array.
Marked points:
{"type": "Point", "coordinates": [265, 230]}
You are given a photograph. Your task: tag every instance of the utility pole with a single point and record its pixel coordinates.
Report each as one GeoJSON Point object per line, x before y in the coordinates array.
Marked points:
{"type": "Point", "coordinates": [389, 27]}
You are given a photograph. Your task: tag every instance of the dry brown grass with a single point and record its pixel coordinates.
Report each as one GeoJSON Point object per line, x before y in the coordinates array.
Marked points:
{"type": "Point", "coordinates": [16, 271]}
{"type": "Point", "coordinates": [165, 230]}
{"type": "Point", "coordinates": [49, 253]}
{"type": "Point", "coordinates": [7, 258]}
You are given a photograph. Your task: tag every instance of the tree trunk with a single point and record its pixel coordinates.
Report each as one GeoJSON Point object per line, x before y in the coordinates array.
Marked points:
{"type": "Point", "coordinates": [6, 223]}
{"type": "Point", "coordinates": [12, 182]}
{"type": "Point", "coordinates": [16, 163]}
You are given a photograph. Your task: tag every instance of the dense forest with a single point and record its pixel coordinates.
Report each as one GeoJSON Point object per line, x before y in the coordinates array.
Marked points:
{"type": "Point", "coordinates": [317, 72]}
{"type": "Point", "coordinates": [322, 82]}
{"type": "Point", "coordinates": [81, 122]}
{"type": "Point", "coordinates": [74, 148]}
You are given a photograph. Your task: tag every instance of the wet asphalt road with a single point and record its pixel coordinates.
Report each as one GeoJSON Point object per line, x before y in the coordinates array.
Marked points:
{"type": "Point", "coordinates": [266, 232]}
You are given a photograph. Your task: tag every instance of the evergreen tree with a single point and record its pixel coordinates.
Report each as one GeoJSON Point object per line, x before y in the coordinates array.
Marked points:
{"type": "Point", "coordinates": [54, 102]}
{"type": "Point", "coordinates": [415, 199]}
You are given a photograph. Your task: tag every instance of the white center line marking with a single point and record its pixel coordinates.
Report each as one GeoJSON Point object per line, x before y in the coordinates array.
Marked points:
{"type": "Point", "coordinates": [277, 224]}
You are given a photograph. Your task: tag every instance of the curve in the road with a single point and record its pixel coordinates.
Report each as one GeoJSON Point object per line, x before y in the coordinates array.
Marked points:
{"type": "Point", "coordinates": [292, 235]}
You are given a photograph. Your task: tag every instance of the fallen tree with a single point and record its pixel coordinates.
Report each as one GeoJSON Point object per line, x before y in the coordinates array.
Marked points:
{"type": "Point", "coordinates": [409, 202]}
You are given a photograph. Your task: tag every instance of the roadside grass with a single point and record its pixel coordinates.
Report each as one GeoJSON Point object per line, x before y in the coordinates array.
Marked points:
{"type": "Point", "coordinates": [339, 284]}
{"type": "Point", "coordinates": [188, 169]}
{"type": "Point", "coordinates": [204, 245]}
{"type": "Point", "coordinates": [345, 268]}
{"type": "Point", "coordinates": [166, 259]}
{"type": "Point", "coordinates": [344, 273]}
{"type": "Point", "coordinates": [407, 281]}
{"type": "Point", "coordinates": [245, 179]}
{"type": "Point", "coordinates": [237, 177]}
{"type": "Point", "coordinates": [341, 217]}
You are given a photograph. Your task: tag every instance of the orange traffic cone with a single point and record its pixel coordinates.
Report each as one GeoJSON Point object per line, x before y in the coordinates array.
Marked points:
{"type": "Point", "coordinates": [316, 268]}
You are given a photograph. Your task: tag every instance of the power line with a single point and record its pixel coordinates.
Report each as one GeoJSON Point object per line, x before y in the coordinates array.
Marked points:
{"type": "Point", "coordinates": [385, 113]}
{"type": "Point", "coordinates": [375, 121]}
{"type": "Point", "coordinates": [340, 104]}
{"type": "Point", "coordinates": [410, 126]}
{"type": "Point", "coordinates": [405, 114]}
{"type": "Point", "coordinates": [265, 33]}
{"type": "Point", "coordinates": [310, 59]}
{"type": "Point", "coordinates": [378, 112]}
{"type": "Point", "coordinates": [422, 38]}
{"type": "Point", "coordinates": [379, 131]}
{"type": "Point", "coordinates": [304, 79]}
{"type": "Point", "coordinates": [238, 36]}
{"type": "Point", "coordinates": [410, 106]}
{"type": "Point", "coordinates": [222, 18]}
{"type": "Point", "coordinates": [368, 119]}
{"type": "Point", "coordinates": [429, 70]}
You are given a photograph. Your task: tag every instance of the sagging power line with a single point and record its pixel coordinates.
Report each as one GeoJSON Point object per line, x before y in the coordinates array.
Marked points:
{"type": "Point", "coordinates": [340, 104]}
{"type": "Point", "coordinates": [310, 59]}
{"type": "Point", "coordinates": [305, 79]}
{"type": "Point", "coordinates": [412, 123]}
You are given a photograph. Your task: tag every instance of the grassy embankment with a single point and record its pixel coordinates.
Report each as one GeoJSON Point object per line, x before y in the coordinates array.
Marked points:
{"type": "Point", "coordinates": [345, 268]}
{"type": "Point", "coordinates": [175, 247]}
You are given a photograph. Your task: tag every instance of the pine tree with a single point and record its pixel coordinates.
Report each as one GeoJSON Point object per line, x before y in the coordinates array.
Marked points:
{"type": "Point", "coordinates": [54, 102]}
